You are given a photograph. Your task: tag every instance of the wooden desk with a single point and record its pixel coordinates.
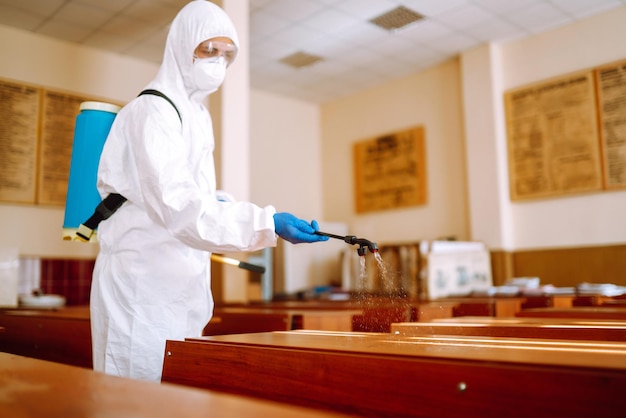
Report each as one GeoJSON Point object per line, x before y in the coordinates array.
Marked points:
{"type": "Point", "coordinates": [239, 320]}
{"type": "Point", "coordinates": [489, 306]}
{"type": "Point", "coordinates": [618, 303]}
{"type": "Point", "coordinates": [317, 304]}
{"type": "Point", "coordinates": [427, 311]}
{"type": "Point", "coordinates": [367, 315]}
{"type": "Point", "coordinates": [374, 374]}
{"type": "Point", "coordinates": [581, 312]}
{"type": "Point", "coordinates": [591, 300]}
{"type": "Point", "coordinates": [62, 335]}
{"type": "Point", "coordinates": [548, 301]}
{"type": "Point", "coordinates": [320, 314]}
{"type": "Point", "coordinates": [379, 318]}
{"type": "Point", "coordinates": [543, 328]}
{"type": "Point", "coordinates": [31, 388]}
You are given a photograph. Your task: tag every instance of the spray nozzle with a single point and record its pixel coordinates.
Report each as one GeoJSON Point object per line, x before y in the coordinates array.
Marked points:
{"type": "Point", "coordinates": [363, 243]}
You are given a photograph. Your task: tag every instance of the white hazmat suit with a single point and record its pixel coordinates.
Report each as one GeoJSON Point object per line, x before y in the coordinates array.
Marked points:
{"type": "Point", "coordinates": [152, 275]}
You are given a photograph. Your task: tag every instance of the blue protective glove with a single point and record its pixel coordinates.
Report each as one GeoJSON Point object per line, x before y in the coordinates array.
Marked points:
{"type": "Point", "coordinates": [295, 230]}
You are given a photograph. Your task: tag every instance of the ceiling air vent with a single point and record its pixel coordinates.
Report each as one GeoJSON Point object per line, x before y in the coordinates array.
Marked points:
{"type": "Point", "coordinates": [397, 18]}
{"type": "Point", "coordinates": [300, 59]}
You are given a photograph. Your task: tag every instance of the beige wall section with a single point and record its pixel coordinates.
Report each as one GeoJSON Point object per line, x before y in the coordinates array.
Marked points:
{"type": "Point", "coordinates": [577, 220]}
{"type": "Point", "coordinates": [29, 58]}
{"type": "Point", "coordinates": [431, 98]}
{"type": "Point", "coordinates": [51, 63]}
{"type": "Point", "coordinates": [487, 178]}
{"type": "Point", "coordinates": [285, 155]}
{"type": "Point", "coordinates": [286, 166]}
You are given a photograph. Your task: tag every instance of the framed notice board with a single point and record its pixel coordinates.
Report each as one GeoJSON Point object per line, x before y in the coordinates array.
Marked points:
{"type": "Point", "coordinates": [390, 171]}
{"type": "Point", "coordinates": [552, 137]}
{"type": "Point", "coordinates": [611, 88]}
{"type": "Point", "coordinates": [19, 112]}
{"type": "Point", "coordinates": [36, 139]}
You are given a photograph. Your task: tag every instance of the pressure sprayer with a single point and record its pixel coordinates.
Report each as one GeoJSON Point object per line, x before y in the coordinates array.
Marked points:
{"type": "Point", "coordinates": [93, 124]}
{"type": "Point", "coordinates": [363, 243]}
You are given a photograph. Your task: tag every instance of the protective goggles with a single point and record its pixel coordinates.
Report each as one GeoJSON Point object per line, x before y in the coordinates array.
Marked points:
{"type": "Point", "coordinates": [214, 49]}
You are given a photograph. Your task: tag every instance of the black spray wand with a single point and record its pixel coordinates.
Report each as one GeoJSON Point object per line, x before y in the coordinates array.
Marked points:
{"type": "Point", "coordinates": [363, 243]}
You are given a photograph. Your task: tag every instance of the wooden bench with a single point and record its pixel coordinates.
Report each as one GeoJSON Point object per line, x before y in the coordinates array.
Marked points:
{"type": "Point", "coordinates": [593, 300]}
{"type": "Point", "coordinates": [239, 320]}
{"type": "Point", "coordinates": [506, 306]}
{"type": "Point", "coordinates": [316, 304]}
{"type": "Point", "coordinates": [546, 328]}
{"type": "Point", "coordinates": [64, 335]}
{"type": "Point", "coordinates": [367, 315]}
{"type": "Point", "coordinates": [579, 312]}
{"type": "Point", "coordinates": [376, 374]}
{"type": "Point", "coordinates": [486, 306]}
{"type": "Point", "coordinates": [548, 301]}
{"type": "Point", "coordinates": [32, 388]}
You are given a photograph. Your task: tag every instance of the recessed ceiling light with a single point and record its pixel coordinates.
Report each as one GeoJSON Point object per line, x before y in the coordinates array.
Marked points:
{"type": "Point", "coordinates": [397, 18]}
{"type": "Point", "coordinates": [300, 59]}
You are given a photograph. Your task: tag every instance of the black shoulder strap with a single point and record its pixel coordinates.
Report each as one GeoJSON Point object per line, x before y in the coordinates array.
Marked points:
{"type": "Point", "coordinates": [158, 93]}
{"type": "Point", "coordinates": [113, 201]}
{"type": "Point", "coordinates": [103, 211]}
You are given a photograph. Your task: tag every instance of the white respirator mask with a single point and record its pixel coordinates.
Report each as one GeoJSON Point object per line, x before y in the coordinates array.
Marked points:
{"type": "Point", "coordinates": [209, 73]}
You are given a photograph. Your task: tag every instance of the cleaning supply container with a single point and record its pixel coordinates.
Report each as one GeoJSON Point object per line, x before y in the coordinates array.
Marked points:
{"type": "Point", "coordinates": [93, 124]}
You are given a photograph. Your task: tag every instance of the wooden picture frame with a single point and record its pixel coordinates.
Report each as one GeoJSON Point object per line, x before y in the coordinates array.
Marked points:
{"type": "Point", "coordinates": [36, 140]}
{"type": "Point", "coordinates": [390, 171]}
{"type": "Point", "coordinates": [611, 91]}
{"type": "Point", "coordinates": [20, 107]}
{"type": "Point", "coordinates": [552, 138]}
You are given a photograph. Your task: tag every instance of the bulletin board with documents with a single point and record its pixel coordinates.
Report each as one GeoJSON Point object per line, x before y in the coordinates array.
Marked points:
{"type": "Point", "coordinates": [390, 171]}
{"type": "Point", "coordinates": [568, 134]}
{"type": "Point", "coordinates": [611, 90]}
{"type": "Point", "coordinates": [36, 136]}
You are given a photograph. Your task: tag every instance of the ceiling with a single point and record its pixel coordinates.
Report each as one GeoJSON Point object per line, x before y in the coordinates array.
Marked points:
{"type": "Point", "coordinates": [356, 54]}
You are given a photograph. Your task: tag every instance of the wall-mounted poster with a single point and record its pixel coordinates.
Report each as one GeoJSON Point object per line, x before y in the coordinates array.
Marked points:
{"type": "Point", "coordinates": [552, 136]}
{"type": "Point", "coordinates": [390, 171]}
{"type": "Point", "coordinates": [611, 86]}
{"type": "Point", "coordinates": [19, 123]}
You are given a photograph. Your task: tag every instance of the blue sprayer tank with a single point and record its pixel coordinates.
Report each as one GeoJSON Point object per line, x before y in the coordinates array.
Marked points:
{"type": "Point", "coordinates": [93, 124]}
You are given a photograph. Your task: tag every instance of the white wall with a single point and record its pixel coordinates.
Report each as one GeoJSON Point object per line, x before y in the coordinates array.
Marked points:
{"type": "Point", "coordinates": [431, 98]}
{"type": "Point", "coordinates": [286, 167]}
{"type": "Point", "coordinates": [285, 155]}
{"type": "Point", "coordinates": [487, 178]}
{"type": "Point", "coordinates": [576, 220]}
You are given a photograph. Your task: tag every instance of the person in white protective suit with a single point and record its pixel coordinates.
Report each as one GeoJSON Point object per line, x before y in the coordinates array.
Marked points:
{"type": "Point", "coordinates": [151, 280]}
